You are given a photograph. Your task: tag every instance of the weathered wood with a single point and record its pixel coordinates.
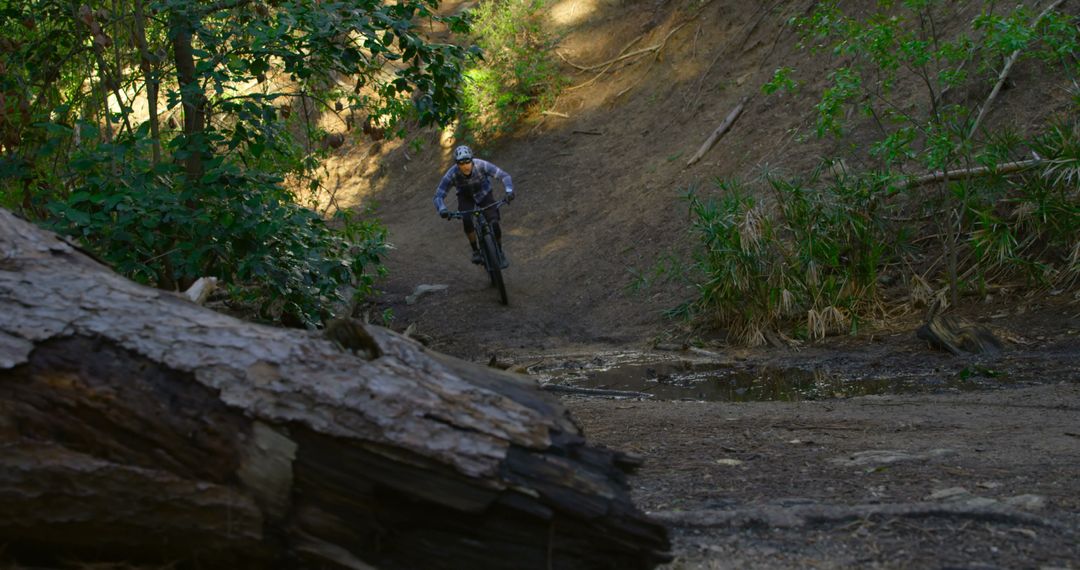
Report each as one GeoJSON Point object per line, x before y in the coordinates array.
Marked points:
{"type": "Point", "coordinates": [201, 290]}
{"type": "Point", "coordinates": [958, 337]}
{"type": "Point", "coordinates": [135, 425]}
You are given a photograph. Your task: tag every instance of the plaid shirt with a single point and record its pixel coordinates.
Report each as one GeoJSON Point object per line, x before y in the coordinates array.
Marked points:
{"type": "Point", "coordinates": [478, 184]}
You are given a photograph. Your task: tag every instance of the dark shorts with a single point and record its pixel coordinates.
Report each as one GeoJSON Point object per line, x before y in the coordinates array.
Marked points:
{"type": "Point", "coordinates": [466, 203]}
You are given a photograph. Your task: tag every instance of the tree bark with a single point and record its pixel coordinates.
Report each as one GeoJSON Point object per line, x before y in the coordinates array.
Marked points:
{"type": "Point", "coordinates": [137, 426]}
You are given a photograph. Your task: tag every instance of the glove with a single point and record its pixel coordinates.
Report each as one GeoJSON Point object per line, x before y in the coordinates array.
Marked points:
{"type": "Point", "coordinates": [509, 197]}
{"type": "Point", "coordinates": [444, 213]}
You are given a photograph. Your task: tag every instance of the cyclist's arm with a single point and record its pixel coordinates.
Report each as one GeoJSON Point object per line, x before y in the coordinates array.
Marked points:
{"type": "Point", "coordinates": [444, 185]}
{"type": "Point", "coordinates": [495, 171]}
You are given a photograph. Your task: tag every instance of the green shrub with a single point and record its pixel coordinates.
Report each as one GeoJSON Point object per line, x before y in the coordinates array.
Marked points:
{"type": "Point", "coordinates": [516, 73]}
{"type": "Point", "coordinates": [241, 226]}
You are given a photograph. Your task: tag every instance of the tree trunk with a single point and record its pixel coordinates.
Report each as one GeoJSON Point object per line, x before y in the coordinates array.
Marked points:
{"type": "Point", "coordinates": [149, 70]}
{"type": "Point", "coordinates": [137, 426]}
{"type": "Point", "coordinates": [192, 98]}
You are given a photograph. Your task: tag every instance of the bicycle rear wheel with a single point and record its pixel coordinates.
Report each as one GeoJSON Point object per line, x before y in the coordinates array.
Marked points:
{"type": "Point", "coordinates": [491, 258]}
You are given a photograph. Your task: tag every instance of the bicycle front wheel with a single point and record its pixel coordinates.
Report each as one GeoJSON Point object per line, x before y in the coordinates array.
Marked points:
{"type": "Point", "coordinates": [491, 260]}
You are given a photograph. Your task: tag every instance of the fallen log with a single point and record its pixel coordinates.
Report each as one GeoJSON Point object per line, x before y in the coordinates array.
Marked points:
{"type": "Point", "coordinates": [137, 426]}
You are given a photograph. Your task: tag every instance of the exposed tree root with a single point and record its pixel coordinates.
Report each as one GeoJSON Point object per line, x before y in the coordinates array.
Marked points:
{"type": "Point", "coordinates": [603, 67]}
{"type": "Point", "coordinates": [805, 515]}
{"type": "Point", "coordinates": [594, 392]}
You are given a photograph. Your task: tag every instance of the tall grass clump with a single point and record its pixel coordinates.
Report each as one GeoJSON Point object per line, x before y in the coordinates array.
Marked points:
{"type": "Point", "coordinates": [1029, 226]}
{"type": "Point", "coordinates": [804, 262]}
{"type": "Point", "coordinates": [805, 257]}
{"type": "Point", "coordinates": [517, 72]}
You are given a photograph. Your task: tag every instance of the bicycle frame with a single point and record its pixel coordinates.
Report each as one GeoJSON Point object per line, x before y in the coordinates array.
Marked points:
{"type": "Point", "coordinates": [489, 250]}
{"type": "Point", "coordinates": [480, 223]}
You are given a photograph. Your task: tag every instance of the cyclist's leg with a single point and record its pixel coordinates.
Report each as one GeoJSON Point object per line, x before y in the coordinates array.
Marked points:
{"type": "Point", "coordinates": [465, 202]}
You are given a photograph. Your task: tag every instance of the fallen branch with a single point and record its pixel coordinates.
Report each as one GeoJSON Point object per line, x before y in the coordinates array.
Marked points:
{"type": "Point", "coordinates": [1005, 72]}
{"type": "Point", "coordinates": [963, 173]}
{"type": "Point", "coordinates": [719, 132]}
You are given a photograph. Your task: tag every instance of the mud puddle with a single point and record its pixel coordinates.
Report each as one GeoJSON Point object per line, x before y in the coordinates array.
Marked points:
{"type": "Point", "coordinates": [646, 375]}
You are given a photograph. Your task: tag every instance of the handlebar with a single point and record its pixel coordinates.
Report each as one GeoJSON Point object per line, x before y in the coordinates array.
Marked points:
{"type": "Point", "coordinates": [462, 213]}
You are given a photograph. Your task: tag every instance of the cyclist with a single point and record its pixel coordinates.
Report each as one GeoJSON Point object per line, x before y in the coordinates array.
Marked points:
{"type": "Point", "coordinates": [472, 178]}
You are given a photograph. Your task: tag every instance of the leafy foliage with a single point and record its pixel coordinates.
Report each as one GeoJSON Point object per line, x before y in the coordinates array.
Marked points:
{"type": "Point", "coordinates": [240, 226]}
{"type": "Point", "coordinates": [200, 188]}
{"type": "Point", "coordinates": [903, 45]}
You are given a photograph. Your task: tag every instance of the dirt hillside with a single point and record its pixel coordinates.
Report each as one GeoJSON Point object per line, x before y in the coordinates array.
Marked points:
{"type": "Point", "coordinates": [842, 484]}
{"type": "Point", "coordinates": [600, 174]}
{"type": "Point", "coordinates": [599, 180]}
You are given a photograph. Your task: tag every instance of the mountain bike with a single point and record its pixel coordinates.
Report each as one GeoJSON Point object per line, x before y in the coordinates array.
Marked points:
{"type": "Point", "coordinates": [490, 254]}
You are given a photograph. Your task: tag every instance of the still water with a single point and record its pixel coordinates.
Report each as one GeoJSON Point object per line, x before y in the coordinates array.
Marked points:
{"type": "Point", "coordinates": [679, 380]}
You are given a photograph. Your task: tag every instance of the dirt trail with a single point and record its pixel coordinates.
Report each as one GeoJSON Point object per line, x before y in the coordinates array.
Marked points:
{"type": "Point", "coordinates": [983, 480]}
{"type": "Point", "coordinates": [599, 197]}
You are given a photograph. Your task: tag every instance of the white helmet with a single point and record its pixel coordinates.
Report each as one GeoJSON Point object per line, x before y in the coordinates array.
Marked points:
{"type": "Point", "coordinates": [462, 154]}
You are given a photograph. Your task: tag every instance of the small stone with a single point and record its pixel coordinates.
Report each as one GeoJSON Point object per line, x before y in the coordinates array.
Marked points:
{"type": "Point", "coordinates": [950, 494]}
{"type": "Point", "coordinates": [980, 502]}
{"type": "Point", "coordinates": [885, 457]}
{"type": "Point", "coordinates": [422, 290]}
{"type": "Point", "coordinates": [1025, 532]}
{"type": "Point", "coordinates": [1027, 502]}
